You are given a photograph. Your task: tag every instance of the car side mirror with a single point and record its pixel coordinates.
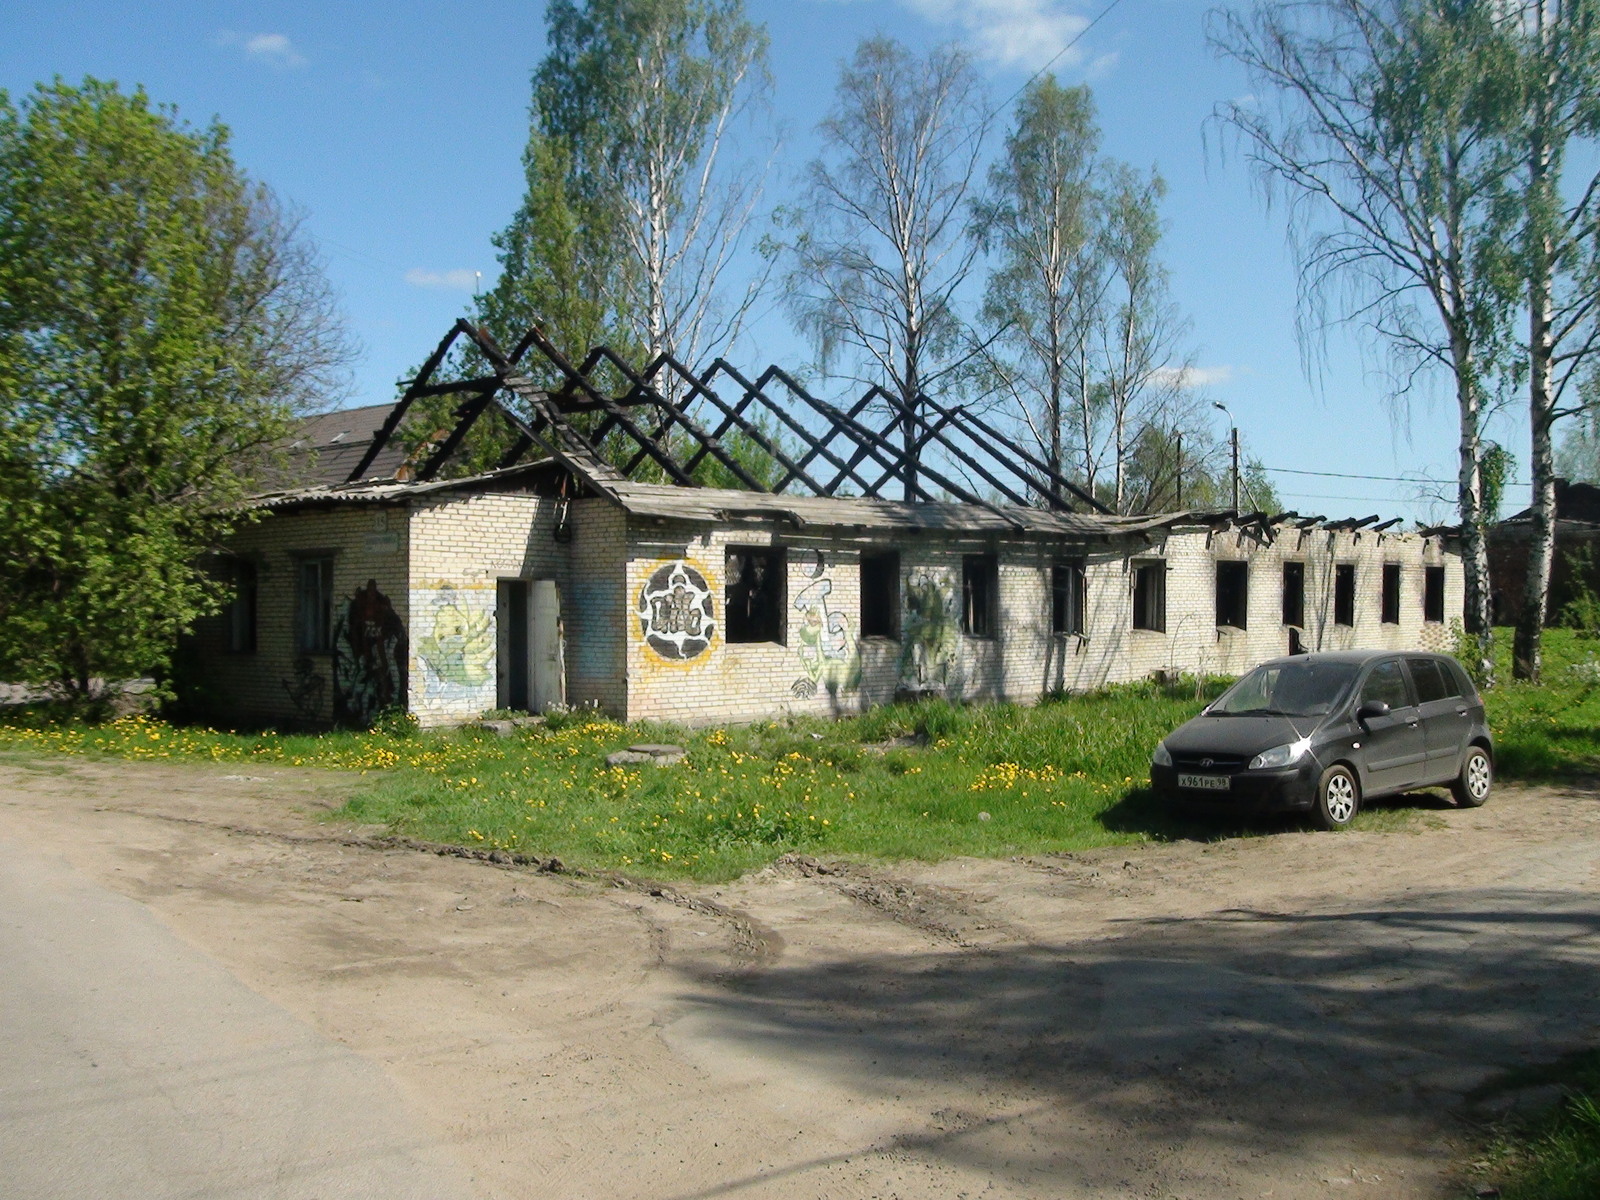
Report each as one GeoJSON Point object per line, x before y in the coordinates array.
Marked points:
{"type": "Point", "coordinates": [1372, 709]}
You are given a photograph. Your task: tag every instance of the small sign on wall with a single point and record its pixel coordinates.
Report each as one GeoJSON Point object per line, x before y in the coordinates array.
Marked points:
{"type": "Point", "coordinates": [382, 543]}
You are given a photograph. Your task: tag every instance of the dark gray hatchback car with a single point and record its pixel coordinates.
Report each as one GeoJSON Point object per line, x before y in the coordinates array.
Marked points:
{"type": "Point", "coordinates": [1321, 732]}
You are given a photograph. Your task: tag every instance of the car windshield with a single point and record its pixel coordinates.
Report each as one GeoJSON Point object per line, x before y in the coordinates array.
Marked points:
{"type": "Point", "coordinates": [1292, 689]}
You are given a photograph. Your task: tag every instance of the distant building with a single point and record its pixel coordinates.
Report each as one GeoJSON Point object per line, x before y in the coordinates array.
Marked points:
{"type": "Point", "coordinates": [1577, 553]}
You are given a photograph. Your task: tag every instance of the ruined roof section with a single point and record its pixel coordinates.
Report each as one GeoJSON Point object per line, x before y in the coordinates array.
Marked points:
{"type": "Point", "coordinates": [801, 461]}
{"type": "Point", "coordinates": [769, 434]}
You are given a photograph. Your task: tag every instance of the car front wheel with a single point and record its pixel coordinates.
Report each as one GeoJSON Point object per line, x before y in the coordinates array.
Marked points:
{"type": "Point", "coordinates": [1338, 798]}
{"type": "Point", "coordinates": [1472, 786]}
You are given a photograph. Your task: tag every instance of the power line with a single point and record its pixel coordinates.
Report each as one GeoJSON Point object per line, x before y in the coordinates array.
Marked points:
{"type": "Point", "coordinates": [1078, 37]}
{"type": "Point", "coordinates": [1375, 478]}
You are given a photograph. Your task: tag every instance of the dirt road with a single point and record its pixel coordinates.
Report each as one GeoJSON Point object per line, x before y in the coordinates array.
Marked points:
{"type": "Point", "coordinates": [1299, 1015]}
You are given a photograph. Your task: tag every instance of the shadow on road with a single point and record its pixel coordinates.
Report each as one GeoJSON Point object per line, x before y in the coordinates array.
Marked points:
{"type": "Point", "coordinates": [1246, 1036]}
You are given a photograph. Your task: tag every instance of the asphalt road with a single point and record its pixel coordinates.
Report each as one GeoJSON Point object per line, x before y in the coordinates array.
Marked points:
{"type": "Point", "coordinates": [133, 1065]}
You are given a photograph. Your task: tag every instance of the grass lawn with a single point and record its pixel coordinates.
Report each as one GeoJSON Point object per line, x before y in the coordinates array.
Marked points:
{"type": "Point", "coordinates": [925, 781]}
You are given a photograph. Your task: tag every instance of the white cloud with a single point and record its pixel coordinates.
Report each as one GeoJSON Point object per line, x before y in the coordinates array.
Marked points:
{"type": "Point", "coordinates": [459, 279]}
{"type": "Point", "coordinates": [1013, 33]}
{"type": "Point", "coordinates": [274, 49]}
{"type": "Point", "coordinates": [1194, 377]}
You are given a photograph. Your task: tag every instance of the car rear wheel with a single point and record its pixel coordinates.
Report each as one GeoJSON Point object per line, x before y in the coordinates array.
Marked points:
{"type": "Point", "coordinates": [1472, 786]}
{"type": "Point", "coordinates": [1338, 798]}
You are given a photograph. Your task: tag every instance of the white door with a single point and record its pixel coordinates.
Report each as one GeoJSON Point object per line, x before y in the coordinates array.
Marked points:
{"type": "Point", "coordinates": [548, 651]}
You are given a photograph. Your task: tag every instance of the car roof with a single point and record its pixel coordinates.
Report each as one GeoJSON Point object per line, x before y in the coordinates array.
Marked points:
{"type": "Point", "coordinates": [1354, 657]}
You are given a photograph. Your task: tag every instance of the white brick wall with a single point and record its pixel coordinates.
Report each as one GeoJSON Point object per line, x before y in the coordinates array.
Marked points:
{"type": "Point", "coordinates": [1023, 659]}
{"type": "Point", "coordinates": [367, 542]}
{"type": "Point", "coordinates": [439, 563]}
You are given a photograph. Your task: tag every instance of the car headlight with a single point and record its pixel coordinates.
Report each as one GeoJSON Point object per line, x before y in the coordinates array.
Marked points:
{"type": "Point", "coordinates": [1280, 756]}
{"type": "Point", "coordinates": [1161, 758]}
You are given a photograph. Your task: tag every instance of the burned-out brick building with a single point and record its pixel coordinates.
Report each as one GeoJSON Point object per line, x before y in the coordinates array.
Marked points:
{"type": "Point", "coordinates": [576, 574]}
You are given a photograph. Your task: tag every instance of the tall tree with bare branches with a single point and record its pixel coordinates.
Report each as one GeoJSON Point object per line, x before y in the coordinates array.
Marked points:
{"type": "Point", "coordinates": [879, 249]}
{"type": "Point", "coordinates": [1387, 139]}
{"type": "Point", "coordinates": [1043, 221]}
{"type": "Point", "coordinates": [1137, 331]}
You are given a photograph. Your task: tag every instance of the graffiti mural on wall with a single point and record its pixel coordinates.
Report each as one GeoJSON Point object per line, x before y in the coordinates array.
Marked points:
{"type": "Point", "coordinates": [369, 658]}
{"type": "Point", "coordinates": [455, 648]}
{"type": "Point", "coordinates": [827, 644]}
{"type": "Point", "coordinates": [676, 615]}
{"type": "Point", "coordinates": [931, 641]}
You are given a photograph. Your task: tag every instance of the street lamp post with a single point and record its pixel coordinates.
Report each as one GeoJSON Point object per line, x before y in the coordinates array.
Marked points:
{"type": "Point", "coordinates": [1233, 438]}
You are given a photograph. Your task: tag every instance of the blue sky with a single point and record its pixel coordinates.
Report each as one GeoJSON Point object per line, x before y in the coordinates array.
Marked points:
{"type": "Point", "coordinates": [398, 130]}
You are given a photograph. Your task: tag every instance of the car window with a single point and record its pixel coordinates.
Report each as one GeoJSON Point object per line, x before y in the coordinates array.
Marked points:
{"type": "Point", "coordinates": [1431, 680]}
{"type": "Point", "coordinates": [1295, 689]}
{"type": "Point", "coordinates": [1464, 684]}
{"type": "Point", "coordinates": [1386, 683]}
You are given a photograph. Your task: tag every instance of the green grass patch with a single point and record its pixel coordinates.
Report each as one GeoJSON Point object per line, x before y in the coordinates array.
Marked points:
{"type": "Point", "coordinates": [1555, 1156]}
{"type": "Point", "coordinates": [1548, 731]}
{"type": "Point", "coordinates": [924, 781]}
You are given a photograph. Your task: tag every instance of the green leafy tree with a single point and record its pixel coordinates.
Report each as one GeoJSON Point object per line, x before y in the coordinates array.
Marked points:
{"type": "Point", "coordinates": [633, 217]}
{"type": "Point", "coordinates": [161, 323]}
{"type": "Point", "coordinates": [1044, 222]}
{"type": "Point", "coordinates": [1556, 199]}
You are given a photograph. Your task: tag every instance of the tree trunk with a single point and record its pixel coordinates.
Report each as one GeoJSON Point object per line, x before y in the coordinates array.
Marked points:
{"type": "Point", "coordinates": [1477, 616]}
{"type": "Point", "coordinates": [1527, 647]}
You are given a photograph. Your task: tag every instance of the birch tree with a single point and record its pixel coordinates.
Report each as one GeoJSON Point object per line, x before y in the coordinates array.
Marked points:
{"type": "Point", "coordinates": [644, 98]}
{"type": "Point", "coordinates": [1387, 142]}
{"type": "Point", "coordinates": [1558, 44]}
{"type": "Point", "coordinates": [1043, 221]}
{"type": "Point", "coordinates": [1137, 330]}
{"type": "Point", "coordinates": [879, 249]}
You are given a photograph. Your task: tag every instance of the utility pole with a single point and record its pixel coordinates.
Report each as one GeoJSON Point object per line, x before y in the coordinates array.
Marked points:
{"type": "Point", "coordinates": [1233, 438]}
{"type": "Point", "coordinates": [1235, 432]}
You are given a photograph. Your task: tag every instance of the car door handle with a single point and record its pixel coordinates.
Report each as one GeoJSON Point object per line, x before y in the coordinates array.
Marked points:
{"type": "Point", "coordinates": [1461, 712]}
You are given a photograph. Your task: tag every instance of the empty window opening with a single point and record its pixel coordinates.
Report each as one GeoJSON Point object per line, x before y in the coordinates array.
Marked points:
{"type": "Point", "coordinates": [1391, 593]}
{"type": "Point", "coordinates": [1433, 594]}
{"type": "Point", "coordinates": [1294, 594]}
{"type": "Point", "coordinates": [1344, 594]}
{"type": "Point", "coordinates": [1066, 597]}
{"type": "Point", "coordinates": [880, 595]}
{"type": "Point", "coordinates": [313, 605]}
{"type": "Point", "coordinates": [1150, 596]}
{"type": "Point", "coordinates": [240, 616]}
{"type": "Point", "coordinates": [1233, 593]}
{"type": "Point", "coordinates": [755, 594]}
{"type": "Point", "coordinates": [980, 594]}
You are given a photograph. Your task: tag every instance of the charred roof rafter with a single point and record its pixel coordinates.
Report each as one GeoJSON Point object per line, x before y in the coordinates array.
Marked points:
{"type": "Point", "coordinates": [677, 419]}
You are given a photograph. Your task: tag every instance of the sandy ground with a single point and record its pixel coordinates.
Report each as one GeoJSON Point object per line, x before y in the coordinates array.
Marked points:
{"type": "Point", "coordinates": [1295, 1015]}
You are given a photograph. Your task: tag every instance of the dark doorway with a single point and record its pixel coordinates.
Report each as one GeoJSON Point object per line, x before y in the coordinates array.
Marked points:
{"type": "Point", "coordinates": [511, 621]}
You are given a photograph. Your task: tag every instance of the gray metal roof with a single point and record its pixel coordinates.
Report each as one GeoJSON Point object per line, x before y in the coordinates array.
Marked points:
{"type": "Point", "coordinates": [719, 505]}
{"type": "Point", "coordinates": [323, 449]}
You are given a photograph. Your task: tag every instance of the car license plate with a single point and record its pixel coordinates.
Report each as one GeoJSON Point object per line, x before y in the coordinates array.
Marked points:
{"type": "Point", "coordinates": [1210, 783]}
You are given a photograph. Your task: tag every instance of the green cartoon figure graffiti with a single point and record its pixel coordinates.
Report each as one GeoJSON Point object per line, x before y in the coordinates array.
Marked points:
{"type": "Point", "coordinates": [827, 647]}
{"type": "Point", "coordinates": [459, 649]}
